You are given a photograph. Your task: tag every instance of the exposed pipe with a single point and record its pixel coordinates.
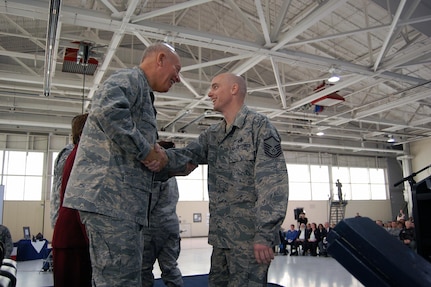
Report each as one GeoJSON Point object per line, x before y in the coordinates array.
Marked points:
{"type": "Point", "coordinates": [54, 12]}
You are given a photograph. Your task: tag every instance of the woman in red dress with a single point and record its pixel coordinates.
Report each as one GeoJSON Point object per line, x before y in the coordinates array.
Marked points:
{"type": "Point", "coordinates": [71, 256]}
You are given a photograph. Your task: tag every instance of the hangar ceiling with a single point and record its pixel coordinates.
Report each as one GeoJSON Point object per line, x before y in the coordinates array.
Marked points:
{"type": "Point", "coordinates": [285, 50]}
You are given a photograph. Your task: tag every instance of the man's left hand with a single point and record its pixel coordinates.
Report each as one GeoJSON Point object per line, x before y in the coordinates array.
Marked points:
{"type": "Point", "coordinates": [264, 254]}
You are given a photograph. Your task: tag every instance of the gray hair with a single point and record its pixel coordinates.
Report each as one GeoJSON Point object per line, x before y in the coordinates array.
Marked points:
{"type": "Point", "coordinates": [157, 47]}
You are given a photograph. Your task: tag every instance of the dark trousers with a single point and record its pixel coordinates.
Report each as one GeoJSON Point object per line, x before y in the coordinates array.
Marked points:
{"type": "Point", "coordinates": [72, 267]}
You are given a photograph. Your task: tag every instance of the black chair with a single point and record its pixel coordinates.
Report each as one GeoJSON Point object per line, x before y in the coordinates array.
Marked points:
{"type": "Point", "coordinates": [6, 261]}
{"type": "Point", "coordinates": [10, 263]}
{"type": "Point", "coordinates": [5, 281]}
{"type": "Point", "coordinates": [10, 273]}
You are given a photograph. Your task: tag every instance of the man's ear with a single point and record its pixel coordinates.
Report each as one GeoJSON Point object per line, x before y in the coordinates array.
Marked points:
{"type": "Point", "coordinates": [160, 58]}
{"type": "Point", "coordinates": [235, 89]}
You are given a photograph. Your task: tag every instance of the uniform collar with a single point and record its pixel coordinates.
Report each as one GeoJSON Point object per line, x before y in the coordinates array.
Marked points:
{"type": "Point", "coordinates": [240, 117]}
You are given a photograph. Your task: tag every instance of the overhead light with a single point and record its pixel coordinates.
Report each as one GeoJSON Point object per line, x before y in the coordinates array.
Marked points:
{"type": "Point", "coordinates": [51, 47]}
{"type": "Point", "coordinates": [334, 76]}
{"type": "Point", "coordinates": [391, 139]}
{"type": "Point", "coordinates": [320, 133]}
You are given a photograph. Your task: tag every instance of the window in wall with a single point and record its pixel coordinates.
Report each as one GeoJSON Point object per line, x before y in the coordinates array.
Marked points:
{"type": "Point", "coordinates": [342, 174]}
{"type": "Point", "coordinates": [320, 189]}
{"type": "Point", "coordinates": [359, 175]}
{"type": "Point", "coordinates": [299, 182]}
{"type": "Point", "coordinates": [299, 190]}
{"type": "Point", "coordinates": [194, 186]}
{"type": "Point", "coordinates": [361, 191]}
{"type": "Point", "coordinates": [51, 176]}
{"type": "Point", "coordinates": [361, 183]}
{"type": "Point", "coordinates": [22, 175]}
{"type": "Point", "coordinates": [54, 157]}
{"type": "Point", "coordinates": [378, 184]}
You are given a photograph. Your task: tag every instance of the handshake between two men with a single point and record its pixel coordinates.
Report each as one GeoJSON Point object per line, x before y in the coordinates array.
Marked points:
{"type": "Point", "coordinates": [157, 159]}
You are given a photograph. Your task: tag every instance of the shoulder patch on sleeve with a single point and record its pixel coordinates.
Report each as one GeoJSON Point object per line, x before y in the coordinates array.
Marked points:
{"type": "Point", "coordinates": [272, 147]}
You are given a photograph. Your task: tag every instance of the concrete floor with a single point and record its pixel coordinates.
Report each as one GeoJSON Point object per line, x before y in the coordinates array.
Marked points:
{"type": "Point", "coordinates": [298, 271]}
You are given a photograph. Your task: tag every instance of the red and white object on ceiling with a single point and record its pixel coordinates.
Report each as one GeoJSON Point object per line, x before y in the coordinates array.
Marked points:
{"type": "Point", "coordinates": [327, 100]}
{"type": "Point", "coordinates": [80, 60]}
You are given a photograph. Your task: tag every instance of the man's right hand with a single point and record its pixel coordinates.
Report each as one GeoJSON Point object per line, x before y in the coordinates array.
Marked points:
{"type": "Point", "coordinates": [156, 159]}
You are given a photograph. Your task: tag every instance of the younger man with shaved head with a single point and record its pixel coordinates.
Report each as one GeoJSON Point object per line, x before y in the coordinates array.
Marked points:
{"type": "Point", "coordinates": [247, 186]}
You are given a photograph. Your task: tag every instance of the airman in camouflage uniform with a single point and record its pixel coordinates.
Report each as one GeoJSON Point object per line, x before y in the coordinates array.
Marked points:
{"type": "Point", "coordinates": [6, 239]}
{"type": "Point", "coordinates": [108, 184]}
{"type": "Point", "coordinates": [56, 184]}
{"type": "Point", "coordinates": [162, 237]}
{"type": "Point", "coordinates": [247, 187]}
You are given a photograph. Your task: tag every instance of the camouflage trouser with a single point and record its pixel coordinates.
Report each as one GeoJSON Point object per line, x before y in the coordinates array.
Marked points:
{"type": "Point", "coordinates": [236, 267]}
{"type": "Point", "coordinates": [115, 250]}
{"type": "Point", "coordinates": [166, 249]}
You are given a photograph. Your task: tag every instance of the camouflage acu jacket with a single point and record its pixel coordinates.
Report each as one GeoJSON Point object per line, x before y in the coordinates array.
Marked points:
{"type": "Point", "coordinates": [55, 191]}
{"type": "Point", "coordinates": [108, 177]}
{"type": "Point", "coordinates": [163, 211]}
{"type": "Point", "coordinates": [247, 180]}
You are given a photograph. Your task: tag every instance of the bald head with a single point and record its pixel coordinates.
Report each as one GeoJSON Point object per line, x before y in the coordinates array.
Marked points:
{"type": "Point", "coordinates": [237, 80]}
{"type": "Point", "coordinates": [161, 66]}
{"type": "Point", "coordinates": [227, 93]}
{"type": "Point", "coordinates": [157, 48]}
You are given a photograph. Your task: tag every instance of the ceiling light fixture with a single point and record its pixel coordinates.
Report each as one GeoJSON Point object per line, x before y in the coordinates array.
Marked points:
{"type": "Point", "coordinates": [391, 139]}
{"type": "Point", "coordinates": [320, 133]}
{"type": "Point", "coordinates": [334, 76]}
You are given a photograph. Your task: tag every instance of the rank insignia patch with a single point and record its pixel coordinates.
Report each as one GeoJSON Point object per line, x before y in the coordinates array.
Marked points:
{"type": "Point", "coordinates": [272, 147]}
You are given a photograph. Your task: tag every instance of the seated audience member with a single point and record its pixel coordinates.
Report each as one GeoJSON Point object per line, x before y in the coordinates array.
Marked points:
{"type": "Point", "coordinates": [323, 243]}
{"type": "Point", "coordinates": [312, 240]}
{"type": "Point", "coordinates": [322, 234]}
{"type": "Point", "coordinates": [407, 235]}
{"type": "Point", "coordinates": [327, 227]}
{"type": "Point", "coordinates": [290, 237]}
{"type": "Point", "coordinates": [387, 225]}
{"type": "Point", "coordinates": [300, 239]}
{"type": "Point", "coordinates": [6, 239]}
{"type": "Point", "coordinates": [283, 242]}
{"type": "Point", "coordinates": [395, 229]}
{"type": "Point", "coordinates": [379, 223]}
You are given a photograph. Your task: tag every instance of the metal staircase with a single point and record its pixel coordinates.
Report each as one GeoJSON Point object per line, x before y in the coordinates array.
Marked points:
{"type": "Point", "coordinates": [337, 210]}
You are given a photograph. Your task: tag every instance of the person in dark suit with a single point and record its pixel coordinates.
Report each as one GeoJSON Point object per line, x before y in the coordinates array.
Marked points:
{"type": "Point", "coordinates": [322, 240]}
{"type": "Point", "coordinates": [302, 219]}
{"type": "Point", "coordinates": [300, 239]}
{"type": "Point", "coordinates": [312, 239]}
{"type": "Point", "coordinates": [407, 235]}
